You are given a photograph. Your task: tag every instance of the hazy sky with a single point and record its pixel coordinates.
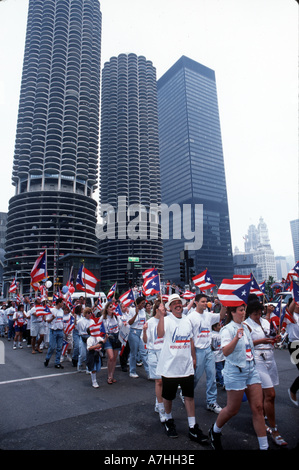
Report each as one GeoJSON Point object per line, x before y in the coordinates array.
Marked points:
{"type": "Point", "coordinates": [253, 47]}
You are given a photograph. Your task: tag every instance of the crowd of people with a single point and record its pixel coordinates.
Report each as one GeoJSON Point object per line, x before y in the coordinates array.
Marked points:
{"type": "Point", "coordinates": [176, 341]}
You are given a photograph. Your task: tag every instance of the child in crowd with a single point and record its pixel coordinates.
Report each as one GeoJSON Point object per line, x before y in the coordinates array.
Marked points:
{"type": "Point", "coordinates": [219, 357]}
{"type": "Point", "coordinates": [94, 345]}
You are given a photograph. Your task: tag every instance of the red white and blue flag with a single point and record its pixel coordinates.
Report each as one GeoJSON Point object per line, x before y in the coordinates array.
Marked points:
{"type": "Point", "coordinates": [111, 291]}
{"type": "Point", "coordinates": [39, 270]}
{"type": "Point", "coordinates": [233, 292]}
{"type": "Point", "coordinates": [151, 286]}
{"type": "Point", "coordinates": [149, 273]}
{"type": "Point", "coordinates": [295, 291]}
{"type": "Point", "coordinates": [86, 281]}
{"type": "Point", "coordinates": [13, 286]}
{"type": "Point", "coordinates": [188, 295]}
{"type": "Point", "coordinates": [64, 347]}
{"type": "Point", "coordinates": [42, 310]}
{"type": "Point", "coordinates": [204, 280]}
{"type": "Point", "coordinates": [70, 325]}
{"type": "Point", "coordinates": [127, 298]}
{"type": "Point", "coordinates": [97, 329]}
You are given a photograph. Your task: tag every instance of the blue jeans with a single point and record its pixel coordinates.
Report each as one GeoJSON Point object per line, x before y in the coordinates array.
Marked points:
{"type": "Point", "coordinates": [75, 345]}
{"type": "Point", "coordinates": [219, 369]}
{"type": "Point", "coordinates": [11, 330]}
{"type": "Point", "coordinates": [205, 362]}
{"type": "Point", "coordinates": [55, 342]}
{"type": "Point", "coordinates": [136, 345]}
{"type": "Point", "coordinates": [82, 350]}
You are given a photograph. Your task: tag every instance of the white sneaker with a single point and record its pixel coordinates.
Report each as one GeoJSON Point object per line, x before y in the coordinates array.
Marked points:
{"type": "Point", "coordinates": [162, 415]}
{"type": "Point", "coordinates": [134, 376]}
{"type": "Point", "coordinates": [214, 407]}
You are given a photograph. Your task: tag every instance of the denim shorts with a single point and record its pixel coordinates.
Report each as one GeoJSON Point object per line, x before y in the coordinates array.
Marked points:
{"type": "Point", "coordinates": [152, 359]}
{"type": "Point", "coordinates": [238, 379]}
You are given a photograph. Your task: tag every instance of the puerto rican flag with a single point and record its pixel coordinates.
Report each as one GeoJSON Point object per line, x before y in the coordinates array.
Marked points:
{"type": "Point", "coordinates": [233, 292]}
{"type": "Point", "coordinates": [295, 289]}
{"type": "Point", "coordinates": [188, 295]}
{"type": "Point", "coordinates": [204, 280]}
{"type": "Point", "coordinates": [86, 281]}
{"type": "Point", "coordinates": [13, 286]}
{"type": "Point", "coordinates": [127, 298]}
{"type": "Point", "coordinates": [97, 329]}
{"type": "Point", "coordinates": [111, 291]}
{"type": "Point", "coordinates": [149, 273]}
{"type": "Point", "coordinates": [70, 325]}
{"type": "Point", "coordinates": [64, 347]}
{"type": "Point", "coordinates": [42, 310]}
{"type": "Point", "coordinates": [39, 270]}
{"type": "Point", "coordinates": [151, 285]}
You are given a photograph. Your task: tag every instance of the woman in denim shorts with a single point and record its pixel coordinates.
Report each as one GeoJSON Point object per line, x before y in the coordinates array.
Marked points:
{"type": "Point", "coordinates": [239, 375]}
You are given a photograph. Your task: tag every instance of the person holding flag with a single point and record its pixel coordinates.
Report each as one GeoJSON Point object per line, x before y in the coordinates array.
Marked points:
{"type": "Point", "coordinates": [265, 363]}
{"type": "Point", "coordinates": [83, 323]}
{"type": "Point", "coordinates": [293, 345]}
{"type": "Point", "coordinates": [111, 323]}
{"type": "Point", "coordinates": [94, 345]}
{"type": "Point", "coordinates": [202, 320]}
{"type": "Point", "coordinates": [55, 320]}
{"type": "Point", "coordinates": [239, 372]}
{"type": "Point", "coordinates": [37, 326]}
{"type": "Point", "coordinates": [136, 318]}
{"type": "Point", "coordinates": [153, 346]}
{"type": "Point", "coordinates": [19, 322]}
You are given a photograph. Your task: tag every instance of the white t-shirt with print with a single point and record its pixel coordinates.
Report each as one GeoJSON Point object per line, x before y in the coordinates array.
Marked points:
{"type": "Point", "coordinates": [202, 327]}
{"type": "Point", "coordinates": [175, 358]}
{"type": "Point", "coordinates": [153, 341]}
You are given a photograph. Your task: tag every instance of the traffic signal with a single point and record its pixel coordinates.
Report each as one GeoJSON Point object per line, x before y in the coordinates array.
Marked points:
{"type": "Point", "coordinates": [182, 271]}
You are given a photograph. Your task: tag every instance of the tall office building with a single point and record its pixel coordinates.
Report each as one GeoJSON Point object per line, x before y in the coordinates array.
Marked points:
{"type": "Point", "coordinates": [56, 149]}
{"type": "Point", "coordinates": [192, 166]}
{"type": "Point", "coordinates": [129, 166]}
{"type": "Point", "coordinates": [295, 238]}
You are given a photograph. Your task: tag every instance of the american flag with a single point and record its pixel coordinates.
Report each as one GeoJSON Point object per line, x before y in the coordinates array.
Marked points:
{"type": "Point", "coordinates": [39, 270]}
{"type": "Point", "coordinates": [204, 280]}
{"type": "Point", "coordinates": [86, 281]}
{"type": "Point", "coordinates": [233, 292]}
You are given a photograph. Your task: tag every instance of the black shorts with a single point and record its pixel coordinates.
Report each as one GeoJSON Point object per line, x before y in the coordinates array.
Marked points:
{"type": "Point", "coordinates": [170, 386]}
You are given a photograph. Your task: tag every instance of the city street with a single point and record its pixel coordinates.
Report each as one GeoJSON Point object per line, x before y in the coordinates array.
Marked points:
{"type": "Point", "coordinates": [51, 409]}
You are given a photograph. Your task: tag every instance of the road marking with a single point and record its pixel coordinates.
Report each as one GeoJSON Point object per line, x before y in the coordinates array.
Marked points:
{"type": "Point", "coordinates": [41, 377]}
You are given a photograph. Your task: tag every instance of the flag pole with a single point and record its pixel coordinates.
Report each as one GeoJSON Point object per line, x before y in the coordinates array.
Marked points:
{"type": "Point", "coordinates": [84, 280]}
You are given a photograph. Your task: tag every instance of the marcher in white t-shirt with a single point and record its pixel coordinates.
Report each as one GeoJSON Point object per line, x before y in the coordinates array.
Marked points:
{"type": "Point", "coordinates": [176, 366]}
{"type": "Point", "coordinates": [153, 345]}
{"type": "Point", "coordinates": [202, 321]}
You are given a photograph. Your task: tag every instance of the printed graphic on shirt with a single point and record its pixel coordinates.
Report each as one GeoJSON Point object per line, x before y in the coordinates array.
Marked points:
{"type": "Point", "coordinates": [180, 341]}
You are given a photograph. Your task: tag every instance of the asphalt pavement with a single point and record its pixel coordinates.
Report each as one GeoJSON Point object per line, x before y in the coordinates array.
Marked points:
{"type": "Point", "coordinates": [48, 409]}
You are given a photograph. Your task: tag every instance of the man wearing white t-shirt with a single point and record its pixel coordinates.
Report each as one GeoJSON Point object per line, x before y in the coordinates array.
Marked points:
{"type": "Point", "coordinates": [202, 321]}
{"type": "Point", "coordinates": [55, 319]}
{"type": "Point", "coordinates": [176, 366]}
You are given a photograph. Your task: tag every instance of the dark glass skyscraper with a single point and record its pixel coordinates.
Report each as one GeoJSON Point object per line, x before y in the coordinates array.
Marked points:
{"type": "Point", "coordinates": [56, 150]}
{"type": "Point", "coordinates": [129, 167]}
{"type": "Point", "coordinates": [192, 166]}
